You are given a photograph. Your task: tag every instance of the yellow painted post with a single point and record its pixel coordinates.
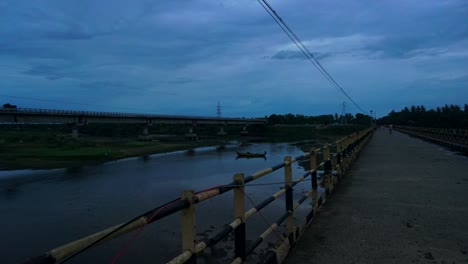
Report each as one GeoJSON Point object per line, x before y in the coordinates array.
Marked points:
{"type": "Point", "coordinates": [354, 142]}
{"type": "Point", "coordinates": [327, 168]}
{"type": "Point", "coordinates": [313, 168]}
{"type": "Point", "coordinates": [239, 210]}
{"type": "Point", "coordinates": [351, 154]}
{"type": "Point", "coordinates": [344, 159]}
{"type": "Point", "coordinates": [338, 158]}
{"type": "Point", "coordinates": [289, 199]}
{"type": "Point", "coordinates": [188, 225]}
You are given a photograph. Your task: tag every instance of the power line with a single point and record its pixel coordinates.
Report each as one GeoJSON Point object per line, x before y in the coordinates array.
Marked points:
{"type": "Point", "coordinates": [301, 48]}
{"type": "Point", "coordinates": [309, 55]}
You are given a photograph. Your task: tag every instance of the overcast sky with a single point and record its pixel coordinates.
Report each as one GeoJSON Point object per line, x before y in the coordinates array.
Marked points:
{"type": "Point", "coordinates": [182, 57]}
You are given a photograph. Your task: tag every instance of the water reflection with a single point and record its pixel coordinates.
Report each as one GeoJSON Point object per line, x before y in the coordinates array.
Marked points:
{"type": "Point", "coordinates": [70, 203]}
{"type": "Point", "coordinates": [10, 190]}
{"type": "Point", "coordinates": [190, 152]}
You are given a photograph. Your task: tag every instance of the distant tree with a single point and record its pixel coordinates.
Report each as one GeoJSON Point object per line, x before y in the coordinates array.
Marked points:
{"type": "Point", "coordinates": [447, 116]}
{"type": "Point", "coordinates": [362, 119]}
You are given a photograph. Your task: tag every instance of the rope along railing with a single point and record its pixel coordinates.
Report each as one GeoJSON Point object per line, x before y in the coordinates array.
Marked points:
{"type": "Point", "coordinates": [453, 138]}
{"type": "Point", "coordinates": [332, 169]}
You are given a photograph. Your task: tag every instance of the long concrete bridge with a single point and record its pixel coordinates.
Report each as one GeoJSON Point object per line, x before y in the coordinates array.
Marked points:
{"type": "Point", "coordinates": [54, 116]}
{"type": "Point", "coordinates": [377, 197]}
{"type": "Point", "coordinates": [33, 115]}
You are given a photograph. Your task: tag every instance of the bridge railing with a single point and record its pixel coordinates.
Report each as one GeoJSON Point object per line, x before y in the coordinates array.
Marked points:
{"type": "Point", "coordinates": [332, 168]}
{"type": "Point", "coordinates": [455, 138]}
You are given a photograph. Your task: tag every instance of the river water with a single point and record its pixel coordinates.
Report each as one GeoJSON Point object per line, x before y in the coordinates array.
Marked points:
{"type": "Point", "coordinates": [42, 209]}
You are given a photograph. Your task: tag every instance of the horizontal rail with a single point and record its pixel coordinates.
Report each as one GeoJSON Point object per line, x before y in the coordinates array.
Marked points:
{"type": "Point", "coordinates": [234, 224]}
{"type": "Point", "coordinates": [453, 138]}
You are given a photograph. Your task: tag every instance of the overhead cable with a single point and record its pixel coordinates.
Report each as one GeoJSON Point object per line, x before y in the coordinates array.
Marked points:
{"type": "Point", "coordinates": [309, 55]}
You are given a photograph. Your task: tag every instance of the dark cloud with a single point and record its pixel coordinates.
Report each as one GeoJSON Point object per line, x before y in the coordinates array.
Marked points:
{"type": "Point", "coordinates": [69, 35]}
{"type": "Point", "coordinates": [212, 50]}
{"type": "Point", "coordinates": [50, 72]}
{"type": "Point", "coordinates": [398, 47]}
{"type": "Point", "coordinates": [183, 81]}
{"type": "Point", "coordinates": [23, 51]}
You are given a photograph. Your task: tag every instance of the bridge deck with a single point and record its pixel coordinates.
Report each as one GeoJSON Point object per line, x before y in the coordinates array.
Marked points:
{"type": "Point", "coordinates": [404, 201]}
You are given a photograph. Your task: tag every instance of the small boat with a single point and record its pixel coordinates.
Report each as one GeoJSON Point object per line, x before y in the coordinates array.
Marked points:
{"type": "Point", "coordinates": [251, 155]}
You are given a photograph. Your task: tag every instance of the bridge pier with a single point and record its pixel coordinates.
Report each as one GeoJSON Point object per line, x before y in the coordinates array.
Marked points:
{"type": "Point", "coordinates": [244, 131]}
{"type": "Point", "coordinates": [191, 135]}
{"type": "Point", "coordinates": [74, 133]}
{"type": "Point", "coordinates": [221, 131]}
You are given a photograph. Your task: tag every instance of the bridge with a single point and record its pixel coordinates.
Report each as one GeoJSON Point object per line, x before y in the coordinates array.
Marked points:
{"type": "Point", "coordinates": [54, 116]}
{"type": "Point", "coordinates": [404, 201]}
{"type": "Point", "coordinates": [376, 197]}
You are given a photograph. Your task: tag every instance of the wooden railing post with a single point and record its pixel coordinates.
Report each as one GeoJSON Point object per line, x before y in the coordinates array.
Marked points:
{"type": "Point", "coordinates": [344, 158]}
{"type": "Point", "coordinates": [188, 225]}
{"type": "Point", "coordinates": [239, 210]}
{"type": "Point", "coordinates": [289, 200]}
{"type": "Point", "coordinates": [338, 158]}
{"type": "Point", "coordinates": [313, 168]}
{"type": "Point", "coordinates": [327, 169]}
{"type": "Point", "coordinates": [354, 138]}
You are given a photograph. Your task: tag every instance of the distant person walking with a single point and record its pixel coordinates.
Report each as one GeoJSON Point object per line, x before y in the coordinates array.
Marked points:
{"type": "Point", "coordinates": [390, 128]}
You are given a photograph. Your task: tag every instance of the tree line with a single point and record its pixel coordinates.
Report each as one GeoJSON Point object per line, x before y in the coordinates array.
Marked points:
{"type": "Point", "coordinates": [296, 119]}
{"type": "Point", "coordinates": [447, 116]}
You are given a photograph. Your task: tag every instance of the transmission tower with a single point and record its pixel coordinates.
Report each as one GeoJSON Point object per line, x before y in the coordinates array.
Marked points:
{"type": "Point", "coordinates": [218, 110]}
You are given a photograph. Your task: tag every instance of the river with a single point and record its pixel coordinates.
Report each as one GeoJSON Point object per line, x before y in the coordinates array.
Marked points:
{"type": "Point", "coordinates": [43, 209]}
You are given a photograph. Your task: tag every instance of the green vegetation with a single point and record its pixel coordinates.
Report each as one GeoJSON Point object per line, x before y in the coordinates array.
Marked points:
{"type": "Point", "coordinates": [290, 127]}
{"type": "Point", "coordinates": [448, 116]}
{"type": "Point", "coordinates": [51, 146]}
{"type": "Point", "coordinates": [289, 119]}
{"type": "Point", "coordinates": [42, 146]}
{"type": "Point", "coordinates": [304, 132]}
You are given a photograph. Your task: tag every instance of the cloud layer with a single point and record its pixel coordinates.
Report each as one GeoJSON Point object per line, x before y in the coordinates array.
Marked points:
{"type": "Point", "coordinates": [181, 57]}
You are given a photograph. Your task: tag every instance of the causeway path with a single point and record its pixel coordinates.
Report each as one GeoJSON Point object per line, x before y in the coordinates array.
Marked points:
{"type": "Point", "coordinates": [403, 201]}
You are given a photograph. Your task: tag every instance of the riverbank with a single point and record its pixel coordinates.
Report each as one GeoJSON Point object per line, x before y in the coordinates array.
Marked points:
{"type": "Point", "coordinates": [41, 148]}
{"type": "Point", "coordinates": [85, 152]}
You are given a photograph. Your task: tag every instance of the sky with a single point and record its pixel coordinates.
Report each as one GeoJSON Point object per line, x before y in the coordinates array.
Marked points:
{"type": "Point", "coordinates": [182, 57]}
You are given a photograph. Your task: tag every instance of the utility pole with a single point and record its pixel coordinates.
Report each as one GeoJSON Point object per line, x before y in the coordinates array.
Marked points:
{"type": "Point", "coordinates": [371, 118]}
